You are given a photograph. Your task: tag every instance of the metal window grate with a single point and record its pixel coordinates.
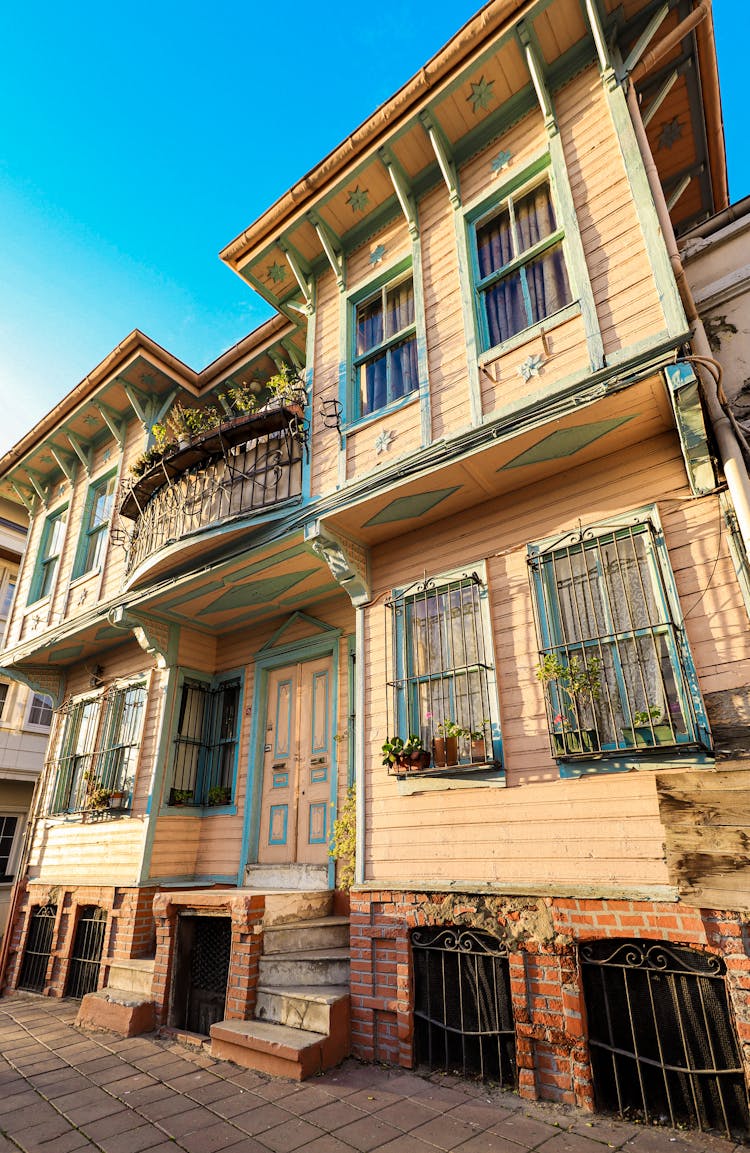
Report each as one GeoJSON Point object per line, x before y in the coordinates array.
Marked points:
{"type": "Point", "coordinates": [463, 1018]}
{"type": "Point", "coordinates": [442, 661]}
{"type": "Point", "coordinates": [613, 656]}
{"type": "Point", "coordinates": [36, 955]}
{"type": "Point", "coordinates": [663, 1046]}
{"type": "Point", "coordinates": [83, 974]}
{"type": "Point", "coordinates": [205, 742]}
{"type": "Point", "coordinates": [201, 972]}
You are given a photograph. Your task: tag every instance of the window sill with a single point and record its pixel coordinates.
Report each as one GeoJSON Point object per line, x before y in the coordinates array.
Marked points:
{"type": "Point", "coordinates": [486, 776]}
{"type": "Point", "coordinates": [641, 760]}
{"type": "Point", "coordinates": [35, 606]}
{"type": "Point", "coordinates": [83, 577]}
{"type": "Point", "coordinates": [554, 320]}
{"type": "Point", "coordinates": [394, 406]}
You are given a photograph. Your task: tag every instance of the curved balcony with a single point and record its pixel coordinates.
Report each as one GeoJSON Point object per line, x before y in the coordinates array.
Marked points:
{"type": "Point", "coordinates": [240, 468]}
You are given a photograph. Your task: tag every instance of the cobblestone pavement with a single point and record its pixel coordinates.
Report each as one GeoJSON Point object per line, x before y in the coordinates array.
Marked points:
{"type": "Point", "coordinates": [62, 1090]}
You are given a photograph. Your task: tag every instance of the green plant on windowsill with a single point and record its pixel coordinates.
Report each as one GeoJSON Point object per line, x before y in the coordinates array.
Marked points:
{"type": "Point", "coordinates": [580, 681]}
{"type": "Point", "coordinates": [219, 795]}
{"type": "Point", "coordinates": [343, 845]}
{"type": "Point", "coordinates": [647, 729]}
{"type": "Point", "coordinates": [286, 388]}
{"type": "Point", "coordinates": [240, 398]}
{"type": "Point", "coordinates": [98, 798]}
{"type": "Point", "coordinates": [181, 796]}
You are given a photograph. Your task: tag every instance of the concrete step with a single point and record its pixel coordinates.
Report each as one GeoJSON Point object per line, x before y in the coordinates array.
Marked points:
{"type": "Point", "coordinates": [136, 975]}
{"type": "Point", "coordinates": [279, 1050]}
{"type": "Point", "coordinates": [300, 1006]}
{"type": "Point", "coordinates": [303, 877]}
{"type": "Point", "coordinates": [305, 967]}
{"type": "Point", "coordinates": [285, 907]}
{"type": "Point", "coordinates": [321, 933]}
{"type": "Point", "coordinates": [117, 1010]}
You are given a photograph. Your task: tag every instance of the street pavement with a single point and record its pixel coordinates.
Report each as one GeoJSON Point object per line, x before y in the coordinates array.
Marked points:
{"type": "Point", "coordinates": [63, 1090]}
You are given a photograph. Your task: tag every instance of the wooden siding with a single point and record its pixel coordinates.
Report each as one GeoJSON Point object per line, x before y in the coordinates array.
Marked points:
{"type": "Point", "coordinates": [100, 852]}
{"type": "Point", "coordinates": [595, 829]}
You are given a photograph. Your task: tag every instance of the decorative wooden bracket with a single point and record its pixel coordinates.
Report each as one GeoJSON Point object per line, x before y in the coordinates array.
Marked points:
{"type": "Point", "coordinates": [645, 39]}
{"type": "Point", "coordinates": [602, 49]}
{"type": "Point", "coordinates": [66, 464]}
{"type": "Point", "coordinates": [114, 423]}
{"type": "Point", "coordinates": [48, 681]}
{"type": "Point", "coordinates": [42, 491]}
{"type": "Point", "coordinates": [293, 353]}
{"type": "Point", "coordinates": [348, 561]}
{"type": "Point", "coordinates": [332, 247]}
{"type": "Point", "coordinates": [443, 156]}
{"type": "Point", "coordinates": [28, 503]}
{"type": "Point", "coordinates": [649, 113]}
{"type": "Point", "coordinates": [152, 636]}
{"type": "Point", "coordinates": [84, 454]}
{"type": "Point", "coordinates": [139, 403]}
{"type": "Point", "coordinates": [533, 63]}
{"type": "Point", "coordinates": [301, 275]}
{"type": "Point", "coordinates": [403, 190]}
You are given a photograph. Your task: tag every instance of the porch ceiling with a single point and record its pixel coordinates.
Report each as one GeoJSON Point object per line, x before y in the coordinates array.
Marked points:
{"type": "Point", "coordinates": [616, 423]}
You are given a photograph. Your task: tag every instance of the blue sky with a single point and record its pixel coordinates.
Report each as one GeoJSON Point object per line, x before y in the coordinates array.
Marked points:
{"type": "Point", "coordinates": [139, 139]}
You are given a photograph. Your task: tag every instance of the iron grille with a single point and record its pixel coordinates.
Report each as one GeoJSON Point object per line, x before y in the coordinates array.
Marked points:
{"type": "Point", "coordinates": [247, 478]}
{"type": "Point", "coordinates": [663, 1047]}
{"type": "Point", "coordinates": [208, 942]}
{"type": "Point", "coordinates": [443, 684]}
{"type": "Point", "coordinates": [613, 656]}
{"type": "Point", "coordinates": [36, 955]}
{"type": "Point", "coordinates": [463, 1018]}
{"type": "Point", "coordinates": [83, 974]}
{"type": "Point", "coordinates": [205, 743]}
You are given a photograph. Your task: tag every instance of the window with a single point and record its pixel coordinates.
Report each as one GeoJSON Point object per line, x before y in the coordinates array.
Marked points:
{"type": "Point", "coordinates": [206, 743]}
{"type": "Point", "coordinates": [444, 691]}
{"type": "Point", "coordinates": [8, 829]}
{"type": "Point", "coordinates": [520, 273]}
{"type": "Point", "coordinates": [385, 346]}
{"type": "Point", "coordinates": [95, 525]}
{"type": "Point", "coordinates": [49, 555]}
{"type": "Point", "coordinates": [40, 711]}
{"type": "Point", "coordinates": [3, 697]}
{"type": "Point", "coordinates": [7, 589]}
{"type": "Point", "coordinates": [95, 769]}
{"type": "Point", "coordinates": [614, 662]}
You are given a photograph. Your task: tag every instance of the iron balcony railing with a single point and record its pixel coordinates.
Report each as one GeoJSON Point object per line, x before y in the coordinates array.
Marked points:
{"type": "Point", "coordinates": [234, 472]}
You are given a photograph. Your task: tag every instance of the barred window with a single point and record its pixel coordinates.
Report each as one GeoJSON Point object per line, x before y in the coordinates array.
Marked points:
{"type": "Point", "coordinates": [205, 743]}
{"type": "Point", "coordinates": [99, 745]}
{"type": "Point", "coordinates": [614, 661]}
{"type": "Point", "coordinates": [444, 688]}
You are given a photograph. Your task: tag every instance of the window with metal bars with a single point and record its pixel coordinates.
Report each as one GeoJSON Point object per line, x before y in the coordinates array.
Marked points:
{"type": "Point", "coordinates": [206, 742]}
{"type": "Point", "coordinates": [99, 745]}
{"type": "Point", "coordinates": [614, 659]}
{"type": "Point", "coordinates": [444, 688]}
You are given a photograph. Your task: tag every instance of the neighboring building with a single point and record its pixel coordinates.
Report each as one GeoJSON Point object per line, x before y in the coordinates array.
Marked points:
{"type": "Point", "coordinates": [24, 719]}
{"type": "Point", "coordinates": [506, 515]}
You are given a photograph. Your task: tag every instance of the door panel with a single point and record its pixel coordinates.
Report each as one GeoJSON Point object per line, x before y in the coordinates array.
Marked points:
{"type": "Point", "coordinates": [294, 824]}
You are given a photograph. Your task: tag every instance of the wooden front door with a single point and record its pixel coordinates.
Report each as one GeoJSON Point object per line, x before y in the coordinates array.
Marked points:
{"type": "Point", "coordinates": [297, 764]}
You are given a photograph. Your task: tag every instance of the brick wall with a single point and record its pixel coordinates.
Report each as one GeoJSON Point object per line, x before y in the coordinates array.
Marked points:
{"type": "Point", "coordinates": [541, 935]}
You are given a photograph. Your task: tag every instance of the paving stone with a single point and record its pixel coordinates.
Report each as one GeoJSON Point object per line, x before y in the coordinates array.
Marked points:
{"type": "Point", "coordinates": [213, 1092]}
{"type": "Point", "coordinates": [18, 1121]}
{"type": "Point", "coordinates": [291, 1135]}
{"type": "Point", "coordinates": [368, 1133]}
{"type": "Point", "coordinates": [138, 1140]}
{"type": "Point", "coordinates": [480, 1114]}
{"type": "Point", "coordinates": [407, 1143]}
{"type": "Point", "coordinates": [305, 1099]}
{"type": "Point", "coordinates": [162, 1107]}
{"type": "Point", "coordinates": [104, 1106]}
{"type": "Point", "coordinates": [491, 1143]}
{"type": "Point", "coordinates": [525, 1130]}
{"type": "Point", "coordinates": [245, 1078]}
{"type": "Point", "coordinates": [438, 1097]}
{"type": "Point", "coordinates": [258, 1120]}
{"type": "Point", "coordinates": [187, 1121]}
{"type": "Point", "coordinates": [242, 1101]}
{"type": "Point", "coordinates": [34, 1136]}
{"type": "Point", "coordinates": [70, 1142]}
{"type": "Point", "coordinates": [326, 1144]}
{"type": "Point", "coordinates": [274, 1090]}
{"type": "Point", "coordinates": [336, 1114]}
{"type": "Point", "coordinates": [132, 1085]}
{"type": "Point", "coordinates": [445, 1132]}
{"type": "Point", "coordinates": [91, 1095]}
{"type": "Point", "coordinates": [406, 1115]}
{"type": "Point", "coordinates": [118, 1120]}
{"type": "Point", "coordinates": [187, 1081]}
{"type": "Point", "coordinates": [220, 1136]}
{"type": "Point", "coordinates": [570, 1143]}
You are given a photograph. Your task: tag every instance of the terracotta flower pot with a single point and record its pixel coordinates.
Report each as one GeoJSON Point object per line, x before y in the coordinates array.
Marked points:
{"type": "Point", "coordinates": [446, 750]}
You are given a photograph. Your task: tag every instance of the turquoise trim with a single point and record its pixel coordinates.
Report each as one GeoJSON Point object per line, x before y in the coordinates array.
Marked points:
{"type": "Point", "coordinates": [280, 781]}
{"type": "Point", "coordinates": [642, 762]}
{"type": "Point", "coordinates": [272, 811]}
{"type": "Point", "coordinates": [422, 360]}
{"type": "Point", "coordinates": [317, 678]}
{"type": "Point", "coordinates": [526, 335]}
{"type": "Point", "coordinates": [85, 529]}
{"type": "Point", "coordinates": [317, 808]}
{"type": "Point", "coordinates": [160, 762]}
{"type": "Point", "coordinates": [38, 575]}
{"type": "Point", "coordinates": [386, 410]}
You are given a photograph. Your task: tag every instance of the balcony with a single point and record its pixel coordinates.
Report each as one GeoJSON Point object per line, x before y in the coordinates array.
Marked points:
{"type": "Point", "coordinates": [240, 468]}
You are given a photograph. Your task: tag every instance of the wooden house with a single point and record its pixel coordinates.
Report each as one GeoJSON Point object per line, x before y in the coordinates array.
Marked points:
{"type": "Point", "coordinates": [464, 526]}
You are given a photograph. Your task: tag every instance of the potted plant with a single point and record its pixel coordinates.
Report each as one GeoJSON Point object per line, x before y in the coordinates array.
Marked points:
{"type": "Point", "coordinates": [181, 797]}
{"type": "Point", "coordinates": [580, 682]}
{"type": "Point", "coordinates": [479, 743]}
{"type": "Point", "coordinates": [219, 795]}
{"type": "Point", "coordinates": [98, 798]}
{"type": "Point", "coordinates": [405, 754]}
{"type": "Point", "coordinates": [240, 399]}
{"type": "Point", "coordinates": [646, 728]}
{"type": "Point", "coordinates": [117, 799]}
{"type": "Point", "coordinates": [445, 744]}
{"type": "Point", "coordinates": [286, 389]}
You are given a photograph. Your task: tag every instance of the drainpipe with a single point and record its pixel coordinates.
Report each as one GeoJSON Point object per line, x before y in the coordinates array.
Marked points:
{"type": "Point", "coordinates": [735, 471]}
{"type": "Point", "coordinates": [670, 41]}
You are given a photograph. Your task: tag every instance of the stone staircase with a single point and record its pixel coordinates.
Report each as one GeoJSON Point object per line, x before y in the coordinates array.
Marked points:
{"type": "Point", "coordinates": [301, 1023]}
{"type": "Point", "coordinates": [124, 1005]}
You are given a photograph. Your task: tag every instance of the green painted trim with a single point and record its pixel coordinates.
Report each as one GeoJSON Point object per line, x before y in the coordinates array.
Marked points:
{"type": "Point", "coordinates": [466, 291]}
{"type": "Point", "coordinates": [643, 203]}
{"type": "Point", "coordinates": [425, 410]}
{"type": "Point", "coordinates": [309, 379]}
{"type": "Point", "coordinates": [372, 417]}
{"type": "Point", "coordinates": [272, 644]}
{"type": "Point", "coordinates": [575, 256]}
{"type": "Point", "coordinates": [84, 527]}
{"type": "Point", "coordinates": [159, 768]}
{"type": "Point", "coordinates": [549, 324]}
{"type": "Point", "coordinates": [343, 390]}
{"type": "Point", "coordinates": [34, 594]}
